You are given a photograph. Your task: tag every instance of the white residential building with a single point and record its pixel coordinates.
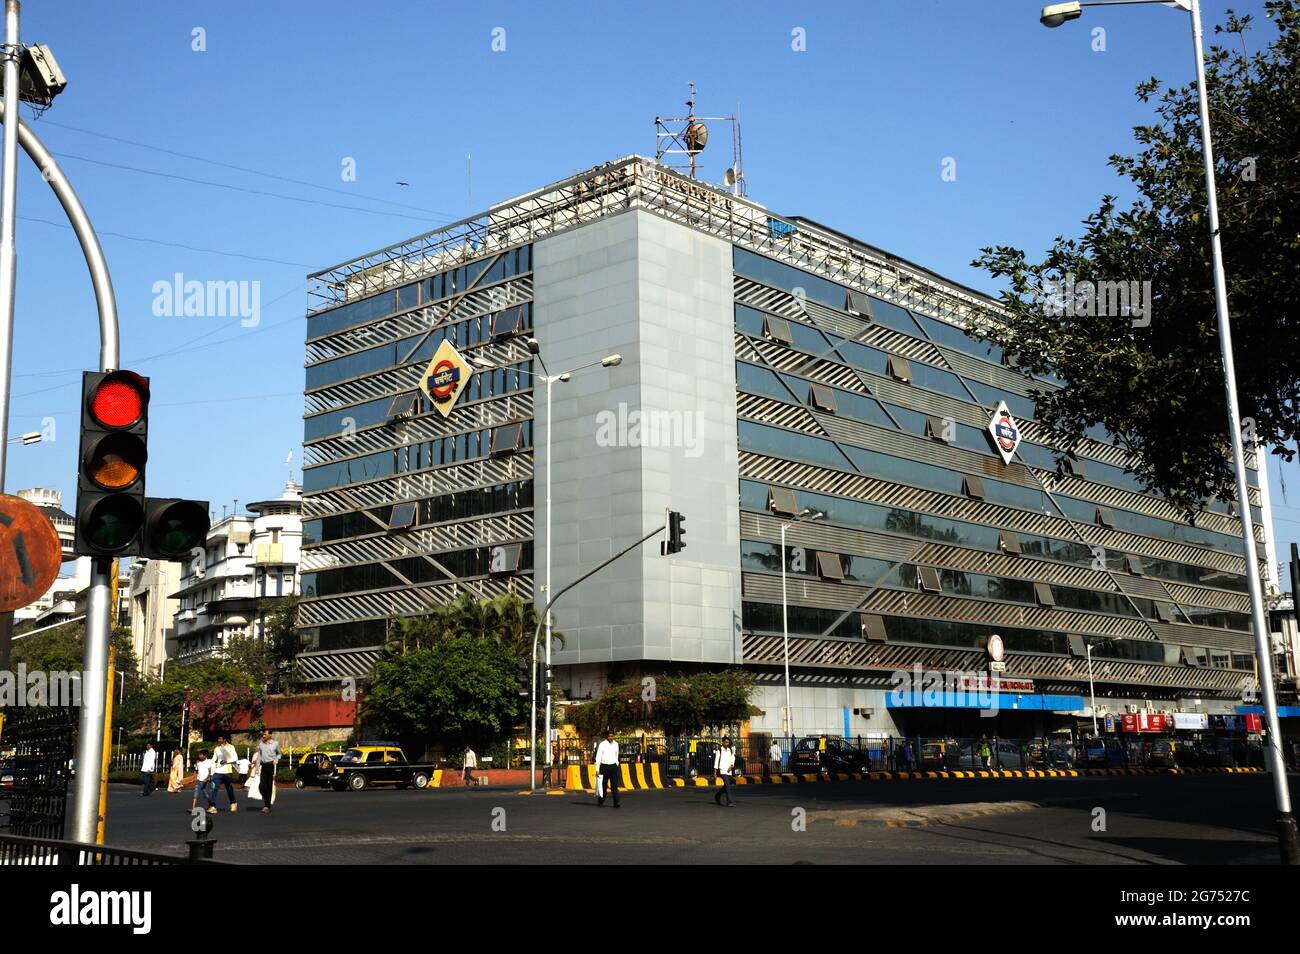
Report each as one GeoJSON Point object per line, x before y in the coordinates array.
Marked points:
{"type": "Point", "coordinates": [152, 611]}
{"type": "Point", "coordinates": [74, 575]}
{"type": "Point", "coordinates": [248, 558]}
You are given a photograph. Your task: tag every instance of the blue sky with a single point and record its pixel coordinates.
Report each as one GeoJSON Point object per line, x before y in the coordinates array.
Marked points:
{"type": "Point", "coordinates": [852, 132]}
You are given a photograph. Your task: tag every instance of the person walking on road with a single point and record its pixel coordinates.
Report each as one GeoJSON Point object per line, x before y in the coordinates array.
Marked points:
{"type": "Point", "coordinates": [176, 781]}
{"type": "Point", "coordinates": [775, 755]}
{"type": "Point", "coordinates": [724, 767]}
{"type": "Point", "coordinates": [607, 768]}
{"type": "Point", "coordinates": [148, 766]}
{"type": "Point", "coordinates": [985, 752]}
{"type": "Point", "coordinates": [268, 757]}
{"type": "Point", "coordinates": [224, 759]}
{"type": "Point", "coordinates": [471, 763]}
{"type": "Point", "coordinates": [203, 785]}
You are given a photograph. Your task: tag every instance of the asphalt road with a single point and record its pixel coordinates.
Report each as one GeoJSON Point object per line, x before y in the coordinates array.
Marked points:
{"type": "Point", "coordinates": [1193, 819]}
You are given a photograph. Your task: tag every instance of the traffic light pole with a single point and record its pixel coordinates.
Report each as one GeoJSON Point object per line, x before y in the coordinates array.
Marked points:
{"type": "Point", "coordinates": [553, 598]}
{"type": "Point", "coordinates": [94, 687]}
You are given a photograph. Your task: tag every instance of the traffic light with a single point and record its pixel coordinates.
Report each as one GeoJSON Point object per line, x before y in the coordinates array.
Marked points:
{"type": "Point", "coordinates": [173, 527]}
{"type": "Point", "coordinates": [676, 532]}
{"type": "Point", "coordinates": [110, 478]}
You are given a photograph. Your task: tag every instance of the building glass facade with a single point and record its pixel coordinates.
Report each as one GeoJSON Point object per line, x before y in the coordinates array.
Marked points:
{"type": "Point", "coordinates": [404, 508]}
{"type": "Point", "coordinates": [857, 394]}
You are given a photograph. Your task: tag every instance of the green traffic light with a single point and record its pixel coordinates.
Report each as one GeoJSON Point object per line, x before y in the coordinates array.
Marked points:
{"type": "Point", "coordinates": [176, 527]}
{"type": "Point", "coordinates": [113, 522]}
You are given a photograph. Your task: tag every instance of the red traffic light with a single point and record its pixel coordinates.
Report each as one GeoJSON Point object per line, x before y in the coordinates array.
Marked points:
{"type": "Point", "coordinates": [119, 400]}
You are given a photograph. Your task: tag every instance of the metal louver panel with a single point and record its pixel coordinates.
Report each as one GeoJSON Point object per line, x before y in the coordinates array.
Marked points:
{"type": "Point", "coordinates": [872, 490]}
{"type": "Point", "coordinates": [479, 415]}
{"type": "Point", "coordinates": [415, 601]}
{"type": "Point", "coordinates": [336, 665]}
{"type": "Point", "coordinates": [472, 305]}
{"type": "Point", "coordinates": [891, 657]}
{"type": "Point", "coordinates": [395, 546]}
{"type": "Point", "coordinates": [487, 472]}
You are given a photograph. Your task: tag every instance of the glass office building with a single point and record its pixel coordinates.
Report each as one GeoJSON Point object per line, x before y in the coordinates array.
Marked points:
{"type": "Point", "coordinates": [775, 373]}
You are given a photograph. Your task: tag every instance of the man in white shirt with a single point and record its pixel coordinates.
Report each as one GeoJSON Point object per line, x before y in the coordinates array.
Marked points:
{"type": "Point", "coordinates": [224, 760]}
{"type": "Point", "coordinates": [148, 766]}
{"type": "Point", "coordinates": [724, 765]}
{"type": "Point", "coordinates": [775, 755]}
{"type": "Point", "coordinates": [607, 768]}
{"type": "Point", "coordinates": [204, 790]}
{"type": "Point", "coordinates": [471, 763]}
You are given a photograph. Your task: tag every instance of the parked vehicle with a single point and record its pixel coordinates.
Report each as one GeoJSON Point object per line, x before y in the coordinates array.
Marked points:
{"type": "Point", "coordinates": [378, 764]}
{"type": "Point", "coordinates": [1161, 753]}
{"type": "Point", "coordinates": [1102, 753]}
{"type": "Point", "coordinates": [6, 777]}
{"type": "Point", "coordinates": [820, 753]}
{"type": "Point", "coordinates": [315, 768]}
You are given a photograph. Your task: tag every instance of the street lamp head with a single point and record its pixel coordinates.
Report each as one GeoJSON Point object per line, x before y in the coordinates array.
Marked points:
{"type": "Point", "coordinates": [1054, 14]}
{"type": "Point", "coordinates": [612, 361]}
{"type": "Point", "coordinates": [565, 377]}
{"type": "Point", "coordinates": [533, 346]}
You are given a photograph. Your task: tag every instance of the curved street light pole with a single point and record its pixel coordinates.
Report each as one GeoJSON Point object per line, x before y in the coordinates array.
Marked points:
{"type": "Point", "coordinates": [1053, 16]}
{"type": "Point", "coordinates": [94, 689]}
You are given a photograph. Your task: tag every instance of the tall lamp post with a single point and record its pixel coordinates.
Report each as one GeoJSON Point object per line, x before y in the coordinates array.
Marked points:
{"type": "Point", "coordinates": [1053, 16]}
{"type": "Point", "coordinates": [609, 361]}
{"type": "Point", "coordinates": [806, 514]}
{"type": "Point", "coordinates": [1092, 693]}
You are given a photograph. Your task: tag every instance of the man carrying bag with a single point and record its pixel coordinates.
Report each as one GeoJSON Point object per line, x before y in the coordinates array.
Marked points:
{"type": "Point", "coordinates": [724, 767]}
{"type": "Point", "coordinates": [607, 769]}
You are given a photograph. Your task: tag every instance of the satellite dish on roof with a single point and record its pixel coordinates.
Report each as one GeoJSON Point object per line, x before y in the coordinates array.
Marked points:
{"type": "Point", "coordinates": [697, 136]}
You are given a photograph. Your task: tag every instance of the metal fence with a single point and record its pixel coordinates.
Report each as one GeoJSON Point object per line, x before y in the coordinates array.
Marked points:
{"type": "Point", "coordinates": [17, 850]}
{"type": "Point", "coordinates": [693, 756]}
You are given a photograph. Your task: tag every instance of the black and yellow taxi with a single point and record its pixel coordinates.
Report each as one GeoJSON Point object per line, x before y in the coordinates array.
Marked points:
{"type": "Point", "coordinates": [823, 753]}
{"type": "Point", "coordinates": [315, 768]}
{"type": "Point", "coordinates": [378, 763]}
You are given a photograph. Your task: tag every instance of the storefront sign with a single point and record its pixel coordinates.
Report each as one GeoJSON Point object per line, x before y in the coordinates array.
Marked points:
{"type": "Point", "coordinates": [1190, 720]}
{"type": "Point", "coordinates": [995, 683]}
{"type": "Point", "coordinates": [1145, 722]}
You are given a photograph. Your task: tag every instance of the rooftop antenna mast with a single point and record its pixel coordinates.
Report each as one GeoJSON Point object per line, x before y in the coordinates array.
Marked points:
{"type": "Point", "coordinates": [686, 136]}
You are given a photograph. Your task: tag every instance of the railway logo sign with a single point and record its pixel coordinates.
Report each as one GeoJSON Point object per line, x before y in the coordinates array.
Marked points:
{"type": "Point", "coordinates": [447, 375]}
{"type": "Point", "coordinates": [1005, 432]}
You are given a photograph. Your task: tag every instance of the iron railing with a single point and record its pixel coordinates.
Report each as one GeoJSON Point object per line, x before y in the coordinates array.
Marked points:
{"type": "Point", "coordinates": [17, 850]}
{"type": "Point", "coordinates": [694, 756]}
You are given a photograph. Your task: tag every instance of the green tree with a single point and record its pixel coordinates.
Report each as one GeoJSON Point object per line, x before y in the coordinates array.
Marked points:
{"type": "Point", "coordinates": [506, 620]}
{"type": "Point", "coordinates": [460, 689]}
{"type": "Point", "coordinates": [1157, 383]}
{"type": "Point", "coordinates": [678, 703]}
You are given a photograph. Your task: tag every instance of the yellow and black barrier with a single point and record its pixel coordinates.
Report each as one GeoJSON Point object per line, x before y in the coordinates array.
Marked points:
{"type": "Point", "coordinates": [641, 776]}
{"type": "Point", "coordinates": [632, 775]}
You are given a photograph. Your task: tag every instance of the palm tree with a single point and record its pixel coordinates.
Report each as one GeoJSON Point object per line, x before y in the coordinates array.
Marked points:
{"type": "Point", "coordinates": [507, 620]}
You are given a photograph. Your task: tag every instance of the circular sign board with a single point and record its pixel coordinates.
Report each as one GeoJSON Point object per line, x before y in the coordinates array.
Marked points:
{"type": "Point", "coordinates": [30, 553]}
{"type": "Point", "coordinates": [996, 649]}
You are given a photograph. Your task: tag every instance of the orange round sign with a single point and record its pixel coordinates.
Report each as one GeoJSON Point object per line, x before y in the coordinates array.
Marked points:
{"type": "Point", "coordinates": [30, 553]}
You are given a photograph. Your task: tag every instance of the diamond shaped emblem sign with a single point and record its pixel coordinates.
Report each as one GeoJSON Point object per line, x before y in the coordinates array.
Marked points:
{"type": "Point", "coordinates": [445, 377]}
{"type": "Point", "coordinates": [1005, 432]}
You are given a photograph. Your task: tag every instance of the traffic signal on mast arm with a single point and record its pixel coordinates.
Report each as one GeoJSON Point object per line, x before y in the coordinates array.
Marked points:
{"type": "Point", "coordinates": [172, 527]}
{"type": "Point", "coordinates": [110, 477]}
{"type": "Point", "coordinates": [676, 532]}
{"type": "Point", "coordinates": [114, 517]}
